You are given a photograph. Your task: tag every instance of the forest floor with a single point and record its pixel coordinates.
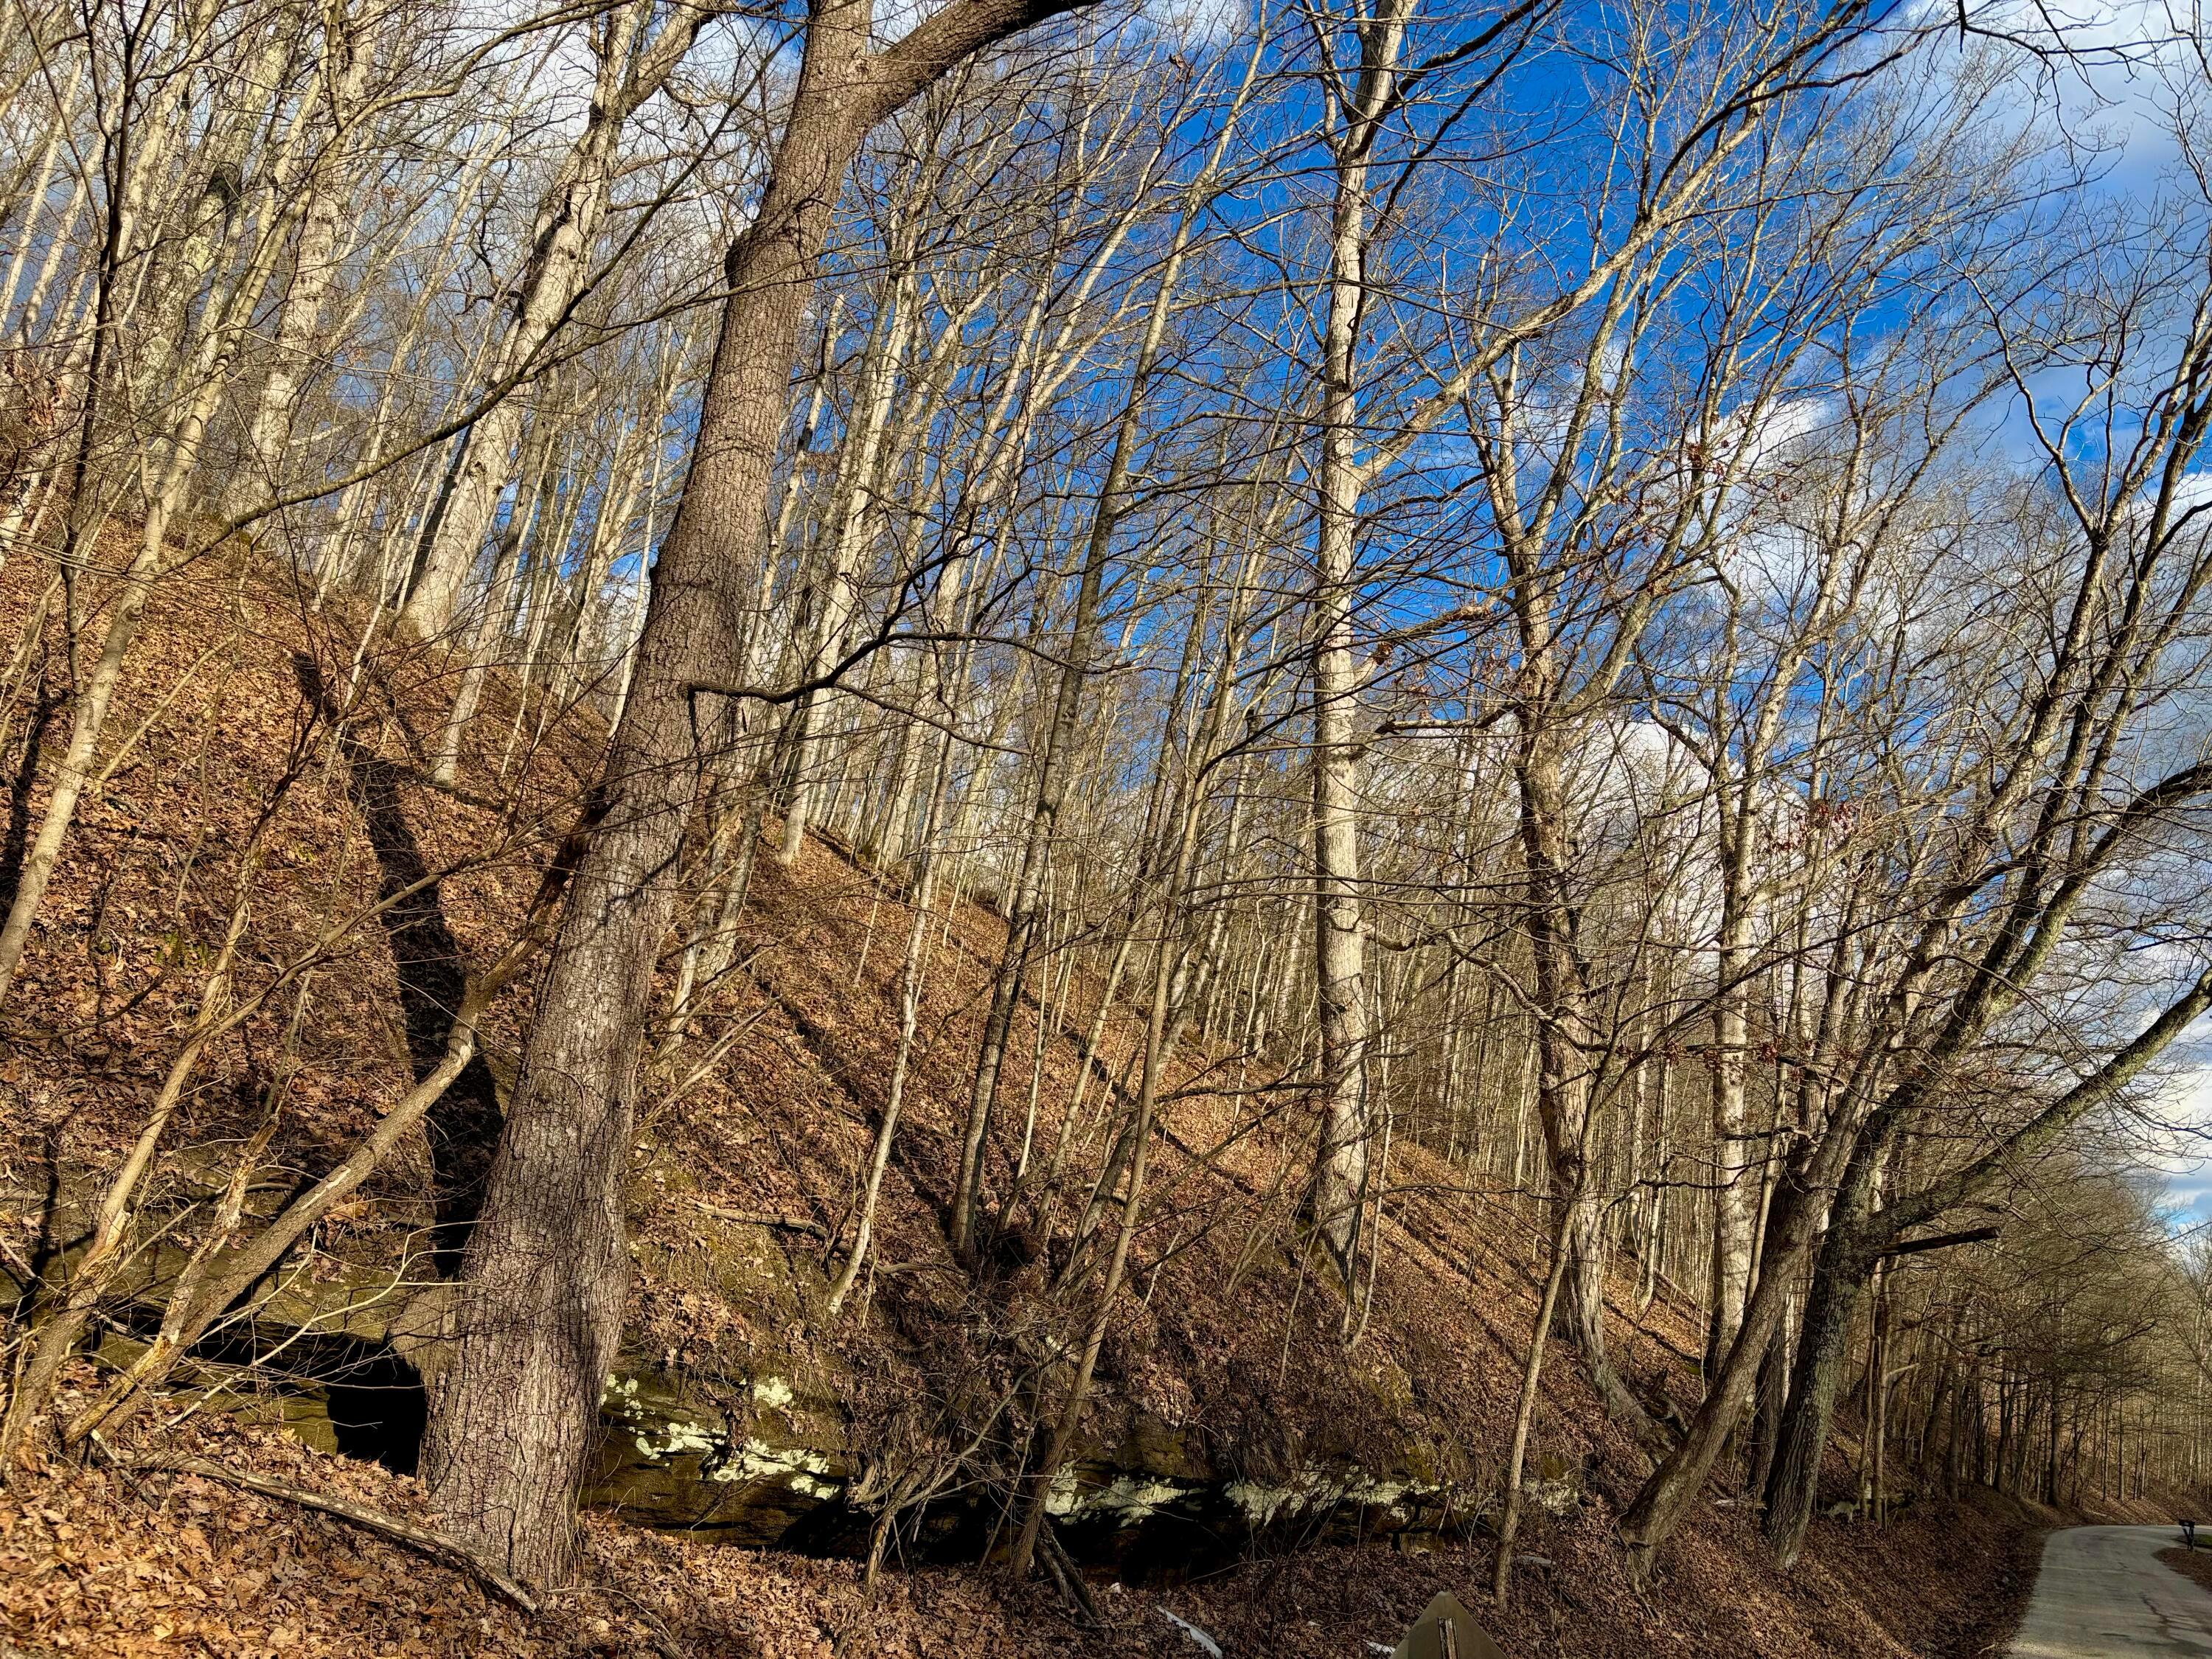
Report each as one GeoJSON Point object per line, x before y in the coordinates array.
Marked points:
{"type": "Point", "coordinates": [2194, 1564]}
{"type": "Point", "coordinates": [1231, 1345]}
{"type": "Point", "coordinates": [106, 1561]}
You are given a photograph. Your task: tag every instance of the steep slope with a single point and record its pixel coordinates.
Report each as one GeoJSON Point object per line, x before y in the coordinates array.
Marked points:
{"type": "Point", "coordinates": [1248, 1439]}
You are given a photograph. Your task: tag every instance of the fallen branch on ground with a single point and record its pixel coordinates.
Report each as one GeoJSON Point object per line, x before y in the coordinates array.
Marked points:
{"type": "Point", "coordinates": [797, 1224]}
{"type": "Point", "coordinates": [435, 1545]}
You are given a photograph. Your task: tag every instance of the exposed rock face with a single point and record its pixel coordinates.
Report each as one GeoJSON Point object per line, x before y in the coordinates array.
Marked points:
{"type": "Point", "coordinates": [769, 1460]}
{"type": "Point", "coordinates": [760, 1473]}
{"type": "Point", "coordinates": [781, 1475]}
{"type": "Point", "coordinates": [776, 1472]}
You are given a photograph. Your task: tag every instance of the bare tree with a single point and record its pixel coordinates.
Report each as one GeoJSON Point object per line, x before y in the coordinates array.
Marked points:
{"type": "Point", "coordinates": [514, 1410]}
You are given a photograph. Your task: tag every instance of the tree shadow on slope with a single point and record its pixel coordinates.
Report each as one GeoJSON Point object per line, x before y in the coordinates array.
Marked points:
{"type": "Point", "coordinates": [463, 1127]}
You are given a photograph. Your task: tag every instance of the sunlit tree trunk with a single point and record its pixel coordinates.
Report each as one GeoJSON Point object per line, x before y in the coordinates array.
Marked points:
{"type": "Point", "coordinates": [514, 1410]}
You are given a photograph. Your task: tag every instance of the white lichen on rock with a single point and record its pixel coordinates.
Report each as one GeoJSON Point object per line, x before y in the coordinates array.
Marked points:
{"type": "Point", "coordinates": [679, 1439]}
{"type": "Point", "coordinates": [1318, 1487]}
{"type": "Point", "coordinates": [809, 1474]}
{"type": "Point", "coordinates": [1124, 1498]}
{"type": "Point", "coordinates": [1129, 1497]}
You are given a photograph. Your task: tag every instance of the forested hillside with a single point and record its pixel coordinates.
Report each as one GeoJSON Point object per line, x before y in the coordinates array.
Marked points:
{"type": "Point", "coordinates": [831, 833]}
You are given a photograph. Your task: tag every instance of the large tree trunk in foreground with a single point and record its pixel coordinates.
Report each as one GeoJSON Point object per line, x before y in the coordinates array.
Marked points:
{"type": "Point", "coordinates": [1770, 1399]}
{"type": "Point", "coordinates": [514, 1410]}
{"type": "Point", "coordinates": [1666, 1497]}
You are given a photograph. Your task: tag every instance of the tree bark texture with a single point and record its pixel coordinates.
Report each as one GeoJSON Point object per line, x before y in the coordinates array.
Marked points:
{"type": "Point", "coordinates": [515, 1410]}
{"type": "Point", "coordinates": [515, 1405]}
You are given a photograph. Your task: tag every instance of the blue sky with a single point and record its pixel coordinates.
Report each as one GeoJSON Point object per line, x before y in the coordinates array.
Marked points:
{"type": "Point", "coordinates": [2110, 98]}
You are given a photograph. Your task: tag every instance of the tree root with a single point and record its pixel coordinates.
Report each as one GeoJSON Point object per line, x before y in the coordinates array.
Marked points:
{"type": "Point", "coordinates": [1065, 1577]}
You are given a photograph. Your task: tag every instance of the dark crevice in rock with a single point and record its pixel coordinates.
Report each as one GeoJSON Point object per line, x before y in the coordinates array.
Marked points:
{"type": "Point", "coordinates": [350, 1394]}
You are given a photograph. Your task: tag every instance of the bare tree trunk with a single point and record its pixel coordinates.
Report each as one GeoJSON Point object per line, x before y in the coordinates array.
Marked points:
{"type": "Point", "coordinates": [835, 595]}
{"type": "Point", "coordinates": [1159, 1038]}
{"type": "Point", "coordinates": [1339, 1182]}
{"type": "Point", "coordinates": [1771, 1398]}
{"type": "Point", "coordinates": [315, 264]}
{"type": "Point", "coordinates": [912, 967]}
{"type": "Point", "coordinates": [1565, 1048]}
{"type": "Point", "coordinates": [492, 624]}
{"type": "Point", "coordinates": [1112, 505]}
{"type": "Point", "coordinates": [89, 715]}
{"type": "Point", "coordinates": [514, 1411]}
{"type": "Point", "coordinates": [1736, 1192]}
{"type": "Point", "coordinates": [34, 199]}
{"type": "Point", "coordinates": [630, 71]}
{"type": "Point", "coordinates": [1524, 1415]}
{"type": "Point", "coordinates": [1838, 1287]}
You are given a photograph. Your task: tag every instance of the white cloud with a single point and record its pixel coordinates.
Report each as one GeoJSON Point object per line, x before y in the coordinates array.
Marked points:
{"type": "Point", "coordinates": [2184, 1103]}
{"type": "Point", "coordinates": [2099, 70]}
